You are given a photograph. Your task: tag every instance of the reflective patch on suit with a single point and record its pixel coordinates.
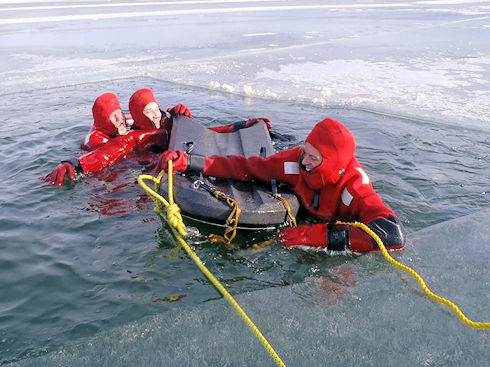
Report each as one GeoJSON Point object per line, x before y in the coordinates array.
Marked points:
{"type": "Point", "coordinates": [105, 140]}
{"type": "Point", "coordinates": [346, 197]}
{"type": "Point", "coordinates": [365, 177]}
{"type": "Point", "coordinates": [291, 168]}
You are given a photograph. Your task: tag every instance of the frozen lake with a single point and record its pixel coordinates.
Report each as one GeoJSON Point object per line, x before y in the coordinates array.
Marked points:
{"type": "Point", "coordinates": [425, 59]}
{"type": "Point", "coordinates": [88, 273]}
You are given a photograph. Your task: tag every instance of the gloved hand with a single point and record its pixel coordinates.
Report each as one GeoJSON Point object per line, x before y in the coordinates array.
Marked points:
{"type": "Point", "coordinates": [308, 235]}
{"type": "Point", "coordinates": [178, 157]}
{"type": "Point", "coordinates": [256, 120]}
{"type": "Point", "coordinates": [56, 177]}
{"type": "Point", "coordinates": [180, 109]}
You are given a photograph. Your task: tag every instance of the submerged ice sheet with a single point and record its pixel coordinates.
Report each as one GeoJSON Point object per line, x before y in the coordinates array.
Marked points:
{"type": "Point", "coordinates": [368, 313]}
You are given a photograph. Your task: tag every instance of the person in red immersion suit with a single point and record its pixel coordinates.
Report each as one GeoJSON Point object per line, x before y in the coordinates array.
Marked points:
{"type": "Point", "coordinates": [150, 132]}
{"type": "Point", "coordinates": [109, 122]}
{"type": "Point", "coordinates": [327, 179]}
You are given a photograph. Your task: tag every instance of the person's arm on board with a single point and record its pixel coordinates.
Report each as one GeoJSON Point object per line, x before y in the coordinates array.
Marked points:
{"type": "Point", "coordinates": [230, 128]}
{"type": "Point", "coordinates": [237, 166]}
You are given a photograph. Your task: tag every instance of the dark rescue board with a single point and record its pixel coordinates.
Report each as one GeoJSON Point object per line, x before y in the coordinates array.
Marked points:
{"type": "Point", "coordinates": [259, 208]}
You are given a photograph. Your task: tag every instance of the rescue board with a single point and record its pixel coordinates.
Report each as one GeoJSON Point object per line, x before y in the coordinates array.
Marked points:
{"type": "Point", "coordinates": [259, 208]}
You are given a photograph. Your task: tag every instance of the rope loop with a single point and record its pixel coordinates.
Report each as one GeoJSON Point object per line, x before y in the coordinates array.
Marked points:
{"type": "Point", "coordinates": [231, 221]}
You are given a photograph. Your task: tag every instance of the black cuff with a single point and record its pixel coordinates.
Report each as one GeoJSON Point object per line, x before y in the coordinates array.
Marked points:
{"type": "Point", "coordinates": [195, 163]}
{"type": "Point", "coordinates": [76, 163]}
{"type": "Point", "coordinates": [239, 125]}
{"type": "Point", "coordinates": [338, 239]}
{"type": "Point", "coordinates": [166, 114]}
{"type": "Point", "coordinates": [389, 230]}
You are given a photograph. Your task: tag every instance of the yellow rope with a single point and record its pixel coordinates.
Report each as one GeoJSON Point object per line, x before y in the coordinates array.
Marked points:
{"type": "Point", "coordinates": [231, 221]}
{"type": "Point", "coordinates": [290, 219]}
{"type": "Point", "coordinates": [230, 300]}
{"type": "Point", "coordinates": [263, 244]}
{"type": "Point", "coordinates": [461, 315]}
{"type": "Point", "coordinates": [173, 218]}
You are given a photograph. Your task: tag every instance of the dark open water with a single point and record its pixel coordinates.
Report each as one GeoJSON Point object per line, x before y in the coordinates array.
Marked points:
{"type": "Point", "coordinates": [76, 261]}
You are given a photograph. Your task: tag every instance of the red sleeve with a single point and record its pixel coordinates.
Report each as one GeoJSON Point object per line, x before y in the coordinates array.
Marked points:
{"type": "Point", "coordinates": [369, 206]}
{"type": "Point", "coordinates": [113, 150]}
{"type": "Point", "coordinates": [230, 128]}
{"type": "Point", "coordinates": [94, 140]}
{"type": "Point", "coordinates": [358, 198]}
{"type": "Point", "coordinates": [365, 206]}
{"type": "Point", "coordinates": [247, 169]}
{"type": "Point", "coordinates": [224, 128]}
{"type": "Point", "coordinates": [152, 139]}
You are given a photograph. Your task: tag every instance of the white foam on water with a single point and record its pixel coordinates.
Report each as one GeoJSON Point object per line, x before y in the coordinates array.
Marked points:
{"type": "Point", "coordinates": [446, 87]}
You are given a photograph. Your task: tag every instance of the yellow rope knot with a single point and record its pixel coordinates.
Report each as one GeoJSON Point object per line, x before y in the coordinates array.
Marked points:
{"type": "Point", "coordinates": [174, 218]}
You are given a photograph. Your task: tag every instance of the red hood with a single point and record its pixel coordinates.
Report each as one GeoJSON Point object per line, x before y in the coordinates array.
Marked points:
{"type": "Point", "coordinates": [103, 106]}
{"type": "Point", "coordinates": [137, 103]}
{"type": "Point", "coordinates": [336, 145]}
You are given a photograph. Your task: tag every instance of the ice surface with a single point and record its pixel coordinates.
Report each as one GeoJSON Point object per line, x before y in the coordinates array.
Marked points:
{"type": "Point", "coordinates": [369, 314]}
{"type": "Point", "coordinates": [418, 59]}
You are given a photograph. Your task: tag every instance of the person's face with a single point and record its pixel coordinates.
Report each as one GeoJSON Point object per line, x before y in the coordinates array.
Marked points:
{"type": "Point", "coordinates": [119, 121]}
{"type": "Point", "coordinates": [311, 157]}
{"type": "Point", "coordinates": [152, 111]}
